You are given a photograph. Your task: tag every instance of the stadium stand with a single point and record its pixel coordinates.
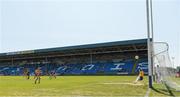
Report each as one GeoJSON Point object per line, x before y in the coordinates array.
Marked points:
{"type": "Point", "coordinates": [113, 58]}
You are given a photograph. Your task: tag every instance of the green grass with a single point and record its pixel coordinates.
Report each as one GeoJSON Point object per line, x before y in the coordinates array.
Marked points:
{"type": "Point", "coordinates": [75, 86]}
{"type": "Point", "coordinates": [177, 80]}
{"type": "Point", "coordinates": [161, 90]}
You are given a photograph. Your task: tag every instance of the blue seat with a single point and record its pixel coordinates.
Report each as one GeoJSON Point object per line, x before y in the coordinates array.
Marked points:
{"type": "Point", "coordinates": [124, 67]}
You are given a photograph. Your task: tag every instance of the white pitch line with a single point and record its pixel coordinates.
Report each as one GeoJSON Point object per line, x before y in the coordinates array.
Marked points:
{"type": "Point", "coordinates": [123, 84]}
{"type": "Point", "coordinates": [148, 92]}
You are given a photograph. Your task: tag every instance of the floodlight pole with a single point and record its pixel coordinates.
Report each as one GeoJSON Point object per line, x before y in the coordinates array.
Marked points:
{"type": "Point", "coordinates": [149, 45]}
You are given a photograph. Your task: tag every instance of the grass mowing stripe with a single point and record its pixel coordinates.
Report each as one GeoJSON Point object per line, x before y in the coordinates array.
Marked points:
{"type": "Point", "coordinates": [71, 86]}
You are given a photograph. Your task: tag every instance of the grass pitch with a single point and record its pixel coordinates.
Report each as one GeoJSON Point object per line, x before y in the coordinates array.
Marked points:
{"type": "Point", "coordinates": [75, 86]}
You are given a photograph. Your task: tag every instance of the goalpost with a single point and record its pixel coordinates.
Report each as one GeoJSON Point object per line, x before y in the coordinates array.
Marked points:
{"type": "Point", "coordinates": [165, 71]}
{"type": "Point", "coordinates": [150, 39]}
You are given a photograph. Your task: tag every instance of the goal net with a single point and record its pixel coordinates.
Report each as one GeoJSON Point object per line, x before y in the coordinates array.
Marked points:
{"type": "Point", "coordinates": [165, 70]}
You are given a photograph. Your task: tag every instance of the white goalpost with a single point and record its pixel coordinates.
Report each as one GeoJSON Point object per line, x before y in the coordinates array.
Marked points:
{"type": "Point", "coordinates": [149, 39]}
{"type": "Point", "coordinates": [165, 71]}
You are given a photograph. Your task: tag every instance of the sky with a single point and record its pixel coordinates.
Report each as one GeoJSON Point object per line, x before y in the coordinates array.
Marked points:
{"type": "Point", "coordinates": [37, 24]}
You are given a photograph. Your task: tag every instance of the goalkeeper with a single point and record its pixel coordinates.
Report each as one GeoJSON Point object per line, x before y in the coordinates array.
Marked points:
{"type": "Point", "coordinates": [140, 76]}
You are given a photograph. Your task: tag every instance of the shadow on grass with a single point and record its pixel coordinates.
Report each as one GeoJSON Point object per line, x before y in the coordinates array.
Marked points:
{"type": "Point", "coordinates": [169, 90]}
{"type": "Point", "coordinates": [161, 91]}
{"type": "Point", "coordinates": [166, 92]}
